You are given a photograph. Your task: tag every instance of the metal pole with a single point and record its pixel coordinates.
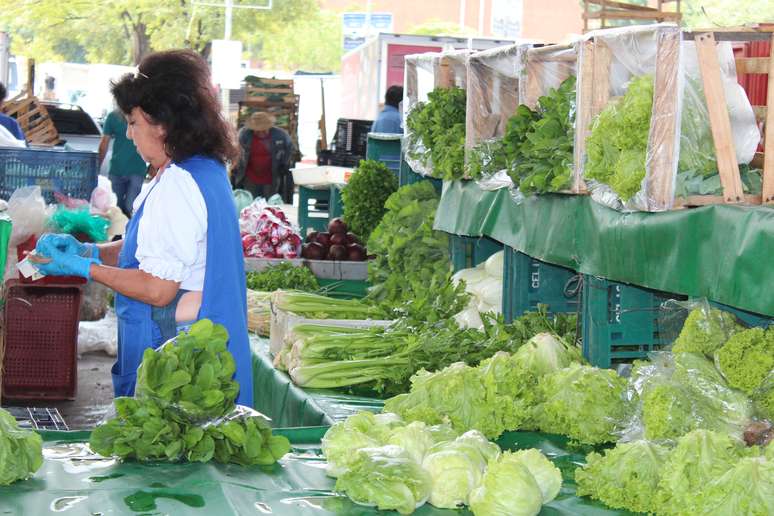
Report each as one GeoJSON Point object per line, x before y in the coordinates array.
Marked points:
{"type": "Point", "coordinates": [229, 8]}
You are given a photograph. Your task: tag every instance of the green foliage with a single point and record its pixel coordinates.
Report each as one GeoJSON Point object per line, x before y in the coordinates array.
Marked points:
{"type": "Point", "coordinates": [747, 358]}
{"type": "Point", "coordinates": [410, 255]}
{"type": "Point", "coordinates": [21, 451]}
{"type": "Point", "coordinates": [624, 477]}
{"type": "Point", "coordinates": [747, 488]}
{"type": "Point", "coordinates": [365, 196]}
{"type": "Point", "coordinates": [439, 126]}
{"type": "Point", "coordinates": [192, 374]}
{"type": "Point", "coordinates": [705, 330]}
{"type": "Point", "coordinates": [486, 159]}
{"type": "Point", "coordinates": [184, 408]}
{"type": "Point", "coordinates": [507, 489]}
{"type": "Point", "coordinates": [582, 402]}
{"type": "Point", "coordinates": [541, 157]}
{"type": "Point", "coordinates": [283, 276]}
{"type": "Point", "coordinates": [617, 146]}
{"type": "Point", "coordinates": [700, 14]}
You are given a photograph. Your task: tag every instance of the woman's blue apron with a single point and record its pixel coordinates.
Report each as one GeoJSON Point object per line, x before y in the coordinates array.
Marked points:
{"type": "Point", "coordinates": [224, 298]}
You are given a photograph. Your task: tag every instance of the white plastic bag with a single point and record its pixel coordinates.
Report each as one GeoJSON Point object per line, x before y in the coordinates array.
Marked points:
{"type": "Point", "coordinates": [99, 335]}
{"type": "Point", "coordinates": [28, 212]}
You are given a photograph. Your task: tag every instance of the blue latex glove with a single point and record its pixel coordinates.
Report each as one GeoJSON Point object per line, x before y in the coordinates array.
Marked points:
{"type": "Point", "coordinates": [66, 264]}
{"type": "Point", "coordinates": [50, 242]}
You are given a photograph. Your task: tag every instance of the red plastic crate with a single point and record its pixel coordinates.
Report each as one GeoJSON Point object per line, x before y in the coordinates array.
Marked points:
{"type": "Point", "coordinates": [41, 340]}
{"type": "Point", "coordinates": [26, 247]}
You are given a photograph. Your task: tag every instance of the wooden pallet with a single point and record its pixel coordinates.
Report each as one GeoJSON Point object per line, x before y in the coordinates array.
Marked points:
{"type": "Point", "coordinates": [33, 119]}
{"type": "Point", "coordinates": [606, 11]}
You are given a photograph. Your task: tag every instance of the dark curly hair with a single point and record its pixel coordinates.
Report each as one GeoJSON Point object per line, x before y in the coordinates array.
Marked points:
{"type": "Point", "coordinates": [174, 88]}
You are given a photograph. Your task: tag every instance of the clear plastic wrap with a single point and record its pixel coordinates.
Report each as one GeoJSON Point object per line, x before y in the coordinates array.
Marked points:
{"type": "Point", "coordinates": [424, 74]}
{"type": "Point", "coordinates": [644, 141]}
{"type": "Point", "coordinates": [675, 393]}
{"type": "Point", "coordinates": [540, 135]}
{"type": "Point", "coordinates": [492, 98]}
{"type": "Point", "coordinates": [695, 326]}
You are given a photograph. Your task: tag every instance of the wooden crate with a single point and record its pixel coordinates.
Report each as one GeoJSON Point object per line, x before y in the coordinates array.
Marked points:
{"type": "Point", "coordinates": [547, 67]}
{"type": "Point", "coordinates": [492, 92]}
{"type": "Point", "coordinates": [596, 60]}
{"type": "Point", "coordinates": [33, 118]}
{"type": "Point", "coordinates": [728, 167]}
{"type": "Point", "coordinates": [605, 11]}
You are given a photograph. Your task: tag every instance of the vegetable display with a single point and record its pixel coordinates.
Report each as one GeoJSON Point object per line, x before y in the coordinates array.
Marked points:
{"type": "Point", "coordinates": [705, 331]}
{"type": "Point", "coordinates": [747, 358]}
{"type": "Point", "coordinates": [436, 130]}
{"type": "Point", "coordinates": [267, 233]}
{"type": "Point", "coordinates": [618, 144]}
{"type": "Point", "coordinates": [365, 194]}
{"type": "Point", "coordinates": [337, 244]}
{"type": "Point", "coordinates": [184, 408]}
{"type": "Point", "coordinates": [543, 161]}
{"type": "Point", "coordinates": [410, 255]}
{"type": "Point", "coordinates": [283, 276]}
{"type": "Point", "coordinates": [21, 451]}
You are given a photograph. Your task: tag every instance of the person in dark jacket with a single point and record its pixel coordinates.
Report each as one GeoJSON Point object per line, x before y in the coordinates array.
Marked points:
{"type": "Point", "coordinates": [266, 158]}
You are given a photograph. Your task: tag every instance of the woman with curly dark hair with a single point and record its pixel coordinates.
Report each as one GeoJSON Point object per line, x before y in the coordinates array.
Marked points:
{"type": "Point", "coordinates": [181, 257]}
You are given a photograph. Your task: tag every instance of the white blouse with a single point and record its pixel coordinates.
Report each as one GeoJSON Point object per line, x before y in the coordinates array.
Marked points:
{"type": "Point", "coordinates": [172, 236]}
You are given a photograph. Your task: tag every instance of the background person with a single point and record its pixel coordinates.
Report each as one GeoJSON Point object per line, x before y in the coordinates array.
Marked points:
{"type": "Point", "coordinates": [127, 169]}
{"type": "Point", "coordinates": [181, 257]}
{"type": "Point", "coordinates": [266, 154]}
{"type": "Point", "coordinates": [389, 120]}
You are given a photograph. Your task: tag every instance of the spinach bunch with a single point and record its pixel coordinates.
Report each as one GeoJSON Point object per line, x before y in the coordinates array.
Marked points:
{"type": "Point", "coordinates": [486, 159]}
{"type": "Point", "coordinates": [410, 255]}
{"type": "Point", "coordinates": [283, 276]}
{"type": "Point", "coordinates": [541, 143]}
{"type": "Point", "coordinates": [439, 126]}
{"type": "Point", "coordinates": [184, 408]}
{"type": "Point", "coordinates": [365, 194]}
{"type": "Point", "coordinates": [191, 375]}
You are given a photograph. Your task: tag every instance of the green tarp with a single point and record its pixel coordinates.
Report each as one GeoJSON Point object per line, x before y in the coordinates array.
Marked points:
{"type": "Point", "coordinates": [719, 252]}
{"type": "Point", "coordinates": [287, 405]}
{"type": "Point", "coordinates": [75, 482]}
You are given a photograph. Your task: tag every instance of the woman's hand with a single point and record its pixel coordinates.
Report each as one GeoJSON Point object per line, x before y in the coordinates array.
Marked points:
{"type": "Point", "coordinates": [65, 243]}
{"type": "Point", "coordinates": [52, 261]}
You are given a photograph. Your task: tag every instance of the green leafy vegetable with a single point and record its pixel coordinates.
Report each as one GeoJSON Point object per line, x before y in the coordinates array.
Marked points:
{"type": "Point", "coordinates": [283, 276]}
{"type": "Point", "coordinates": [387, 478]}
{"type": "Point", "coordinates": [486, 159]}
{"type": "Point", "coordinates": [747, 358]}
{"type": "Point", "coordinates": [544, 159]}
{"type": "Point", "coordinates": [365, 194]}
{"type": "Point", "coordinates": [316, 306]}
{"type": "Point", "coordinates": [547, 476]}
{"type": "Point", "coordinates": [507, 489]}
{"type": "Point", "coordinates": [436, 132]}
{"type": "Point", "coordinates": [618, 143]}
{"type": "Point", "coordinates": [21, 451]}
{"type": "Point", "coordinates": [624, 477]}
{"type": "Point", "coordinates": [581, 402]}
{"type": "Point", "coordinates": [705, 330]}
{"type": "Point", "coordinates": [747, 488]}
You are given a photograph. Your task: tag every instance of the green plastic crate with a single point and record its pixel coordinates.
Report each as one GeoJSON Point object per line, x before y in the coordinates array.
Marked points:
{"type": "Point", "coordinates": [344, 289]}
{"type": "Point", "coordinates": [529, 282]}
{"type": "Point", "coordinates": [336, 205]}
{"type": "Point", "coordinates": [385, 148]}
{"type": "Point", "coordinates": [467, 252]}
{"type": "Point", "coordinates": [620, 321]}
{"type": "Point", "coordinates": [409, 177]}
{"type": "Point", "coordinates": [310, 218]}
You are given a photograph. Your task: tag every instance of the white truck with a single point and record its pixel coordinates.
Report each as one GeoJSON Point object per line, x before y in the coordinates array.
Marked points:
{"type": "Point", "coordinates": [368, 70]}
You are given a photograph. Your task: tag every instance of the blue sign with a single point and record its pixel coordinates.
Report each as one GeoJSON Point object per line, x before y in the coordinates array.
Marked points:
{"type": "Point", "coordinates": [356, 27]}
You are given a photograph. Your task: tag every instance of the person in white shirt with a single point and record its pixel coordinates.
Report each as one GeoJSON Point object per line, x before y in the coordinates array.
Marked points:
{"type": "Point", "coordinates": [181, 259]}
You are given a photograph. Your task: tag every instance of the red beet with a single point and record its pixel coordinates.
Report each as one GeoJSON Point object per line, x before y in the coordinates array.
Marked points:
{"type": "Point", "coordinates": [338, 239]}
{"type": "Point", "coordinates": [313, 251]}
{"type": "Point", "coordinates": [356, 252]}
{"type": "Point", "coordinates": [352, 238]}
{"type": "Point", "coordinates": [337, 226]}
{"type": "Point", "coordinates": [311, 237]}
{"type": "Point", "coordinates": [324, 239]}
{"type": "Point", "coordinates": [337, 252]}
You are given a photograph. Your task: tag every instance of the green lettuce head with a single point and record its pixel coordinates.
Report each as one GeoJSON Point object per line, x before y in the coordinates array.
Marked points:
{"type": "Point", "coordinates": [747, 488]}
{"type": "Point", "coordinates": [625, 477]}
{"type": "Point", "coordinates": [747, 358]}
{"type": "Point", "coordinates": [507, 489]}
{"type": "Point", "coordinates": [21, 452]}
{"type": "Point", "coordinates": [547, 476]}
{"type": "Point", "coordinates": [455, 472]}
{"type": "Point", "coordinates": [415, 438]}
{"type": "Point", "coordinates": [705, 330]}
{"type": "Point", "coordinates": [387, 478]}
{"type": "Point", "coordinates": [363, 430]}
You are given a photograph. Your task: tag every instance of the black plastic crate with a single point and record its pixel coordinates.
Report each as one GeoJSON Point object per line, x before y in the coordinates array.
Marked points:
{"type": "Point", "coordinates": [352, 136]}
{"type": "Point", "coordinates": [38, 418]}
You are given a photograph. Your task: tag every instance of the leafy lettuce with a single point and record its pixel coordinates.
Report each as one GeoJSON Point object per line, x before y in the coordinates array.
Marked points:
{"type": "Point", "coordinates": [21, 452]}
{"type": "Point", "coordinates": [747, 358]}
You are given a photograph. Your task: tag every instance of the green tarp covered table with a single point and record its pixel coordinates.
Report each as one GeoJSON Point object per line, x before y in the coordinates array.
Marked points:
{"type": "Point", "coordinates": [75, 482]}
{"type": "Point", "coordinates": [287, 405]}
{"type": "Point", "coordinates": [720, 252]}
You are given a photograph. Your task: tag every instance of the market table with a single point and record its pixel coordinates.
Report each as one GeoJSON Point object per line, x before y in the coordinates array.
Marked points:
{"type": "Point", "coordinates": [74, 481]}
{"type": "Point", "coordinates": [720, 252]}
{"type": "Point", "coordinates": [287, 405]}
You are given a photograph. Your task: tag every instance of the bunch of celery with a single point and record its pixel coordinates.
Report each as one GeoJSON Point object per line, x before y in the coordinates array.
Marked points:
{"type": "Point", "coordinates": [315, 306]}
